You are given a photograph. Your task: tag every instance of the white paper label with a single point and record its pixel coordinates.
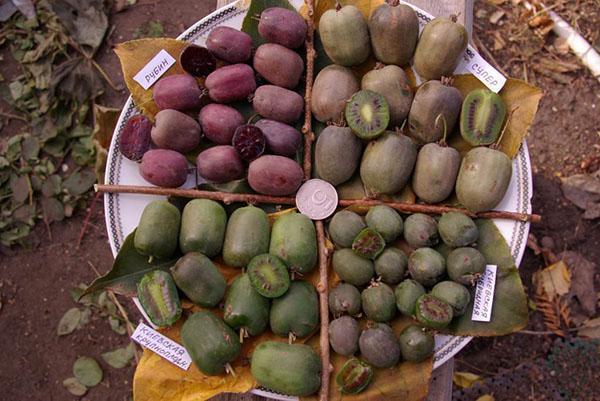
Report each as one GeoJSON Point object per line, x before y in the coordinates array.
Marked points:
{"type": "Point", "coordinates": [163, 346]}
{"type": "Point", "coordinates": [484, 295]}
{"type": "Point", "coordinates": [472, 62]}
{"type": "Point", "coordinates": [154, 69]}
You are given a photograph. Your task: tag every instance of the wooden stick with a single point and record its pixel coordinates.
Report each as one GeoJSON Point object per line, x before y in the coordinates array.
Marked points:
{"type": "Point", "coordinates": [323, 288]}
{"type": "Point", "coordinates": [228, 198]}
{"type": "Point", "coordinates": [437, 209]}
{"type": "Point", "coordinates": [309, 135]}
{"type": "Point", "coordinates": [224, 197]}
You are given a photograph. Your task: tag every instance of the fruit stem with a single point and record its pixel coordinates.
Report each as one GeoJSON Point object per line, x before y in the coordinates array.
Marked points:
{"type": "Point", "coordinates": [323, 289]}
{"type": "Point", "coordinates": [454, 18]}
{"type": "Point", "coordinates": [228, 198]}
{"type": "Point", "coordinates": [496, 145]}
{"type": "Point", "coordinates": [393, 3]}
{"type": "Point", "coordinates": [338, 6]}
{"type": "Point", "coordinates": [443, 118]}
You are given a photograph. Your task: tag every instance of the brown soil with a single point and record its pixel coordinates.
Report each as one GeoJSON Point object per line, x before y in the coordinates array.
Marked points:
{"type": "Point", "coordinates": [35, 282]}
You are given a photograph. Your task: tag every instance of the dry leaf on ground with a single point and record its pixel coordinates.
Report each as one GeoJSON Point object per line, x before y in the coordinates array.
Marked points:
{"type": "Point", "coordinates": [555, 280]}
{"type": "Point", "coordinates": [465, 379]}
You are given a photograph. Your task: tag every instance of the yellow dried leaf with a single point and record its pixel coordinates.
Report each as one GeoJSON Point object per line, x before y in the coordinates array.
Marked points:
{"type": "Point", "coordinates": [465, 379]}
{"type": "Point", "coordinates": [521, 100]}
{"type": "Point", "coordinates": [486, 397]}
{"type": "Point", "coordinates": [134, 55]}
{"type": "Point", "coordinates": [590, 328]}
{"type": "Point", "coordinates": [554, 280]}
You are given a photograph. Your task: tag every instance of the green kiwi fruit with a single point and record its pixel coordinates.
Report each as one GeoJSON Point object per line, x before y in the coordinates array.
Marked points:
{"type": "Point", "coordinates": [332, 165]}
{"type": "Point", "coordinates": [343, 335]}
{"type": "Point", "coordinates": [391, 265]}
{"type": "Point", "coordinates": [386, 221]}
{"type": "Point", "coordinates": [426, 266]}
{"type": "Point", "coordinates": [379, 303]}
{"type": "Point", "coordinates": [379, 346]}
{"type": "Point", "coordinates": [394, 30]}
{"type": "Point", "coordinates": [352, 189]}
{"type": "Point", "coordinates": [269, 275]}
{"type": "Point", "coordinates": [482, 116]}
{"type": "Point", "coordinates": [435, 172]}
{"type": "Point", "coordinates": [344, 227]}
{"type": "Point", "coordinates": [391, 82]}
{"type": "Point", "coordinates": [434, 111]}
{"type": "Point", "coordinates": [407, 293]}
{"type": "Point", "coordinates": [433, 312]}
{"type": "Point", "coordinates": [344, 299]}
{"type": "Point", "coordinates": [454, 294]}
{"type": "Point", "coordinates": [387, 164]}
{"type": "Point", "coordinates": [333, 86]}
{"type": "Point", "coordinates": [345, 35]}
{"type": "Point", "coordinates": [367, 114]}
{"type": "Point", "coordinates": [420, 230]}
{"type": "Point", "coordinates": [351, 268]}
{"type": "Point", "coordinates": [368, 244]}
{"type": "Point", "coordinates": [465, 265]}
{"type": "Point", "coordinates": [416, 344]}
{"type": "Point", "coordinates": [440, 47]}
{"type": "Point", "coordinates": [457, 229]}
{"type": "Point", "coordinates": [483, 178]}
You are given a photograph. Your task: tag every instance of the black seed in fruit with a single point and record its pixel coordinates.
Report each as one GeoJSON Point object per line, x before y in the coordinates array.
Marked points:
{"type": "Point", "coordinates": [135, 137]}
{"type": "Point", "coordinates": [249, 141]}
{"type": "Point", "coordinates": [197, 61]}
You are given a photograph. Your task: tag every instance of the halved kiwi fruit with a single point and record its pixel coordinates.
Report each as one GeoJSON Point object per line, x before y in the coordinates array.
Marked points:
{"type": "Point", "coordinates": [367, 114]}
{"type": "Point", "coordinates": [482, 117]}
{"type": "Point", "coordinates": [268, 275]}
{"type": "Point", "coordinates": [433, 312]}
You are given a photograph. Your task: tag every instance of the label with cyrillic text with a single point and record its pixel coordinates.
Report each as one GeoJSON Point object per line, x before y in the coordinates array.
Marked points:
{"type": "Point", "coordinates": [161, 345]}
{"type": "Point", "coordinates": [472, 62]}
{"type": "Point", "coordinates": [484, 295]}
{"type": "Point", "coordinates": [154, 69]}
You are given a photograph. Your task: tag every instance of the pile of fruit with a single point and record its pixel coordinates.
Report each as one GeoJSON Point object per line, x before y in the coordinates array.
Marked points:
{"type": "Point", "coordinates": [379, 132]}
{"type": "Point", "coordinates": [203, 119]}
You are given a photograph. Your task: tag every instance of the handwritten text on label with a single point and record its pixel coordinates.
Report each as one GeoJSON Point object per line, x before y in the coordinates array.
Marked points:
{"type": "Point", "coordinates": [163, 346]}
{"type": "Point", "coordinates": [154, 69]}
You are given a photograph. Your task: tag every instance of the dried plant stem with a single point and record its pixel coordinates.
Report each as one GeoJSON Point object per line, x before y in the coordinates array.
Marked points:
{"type": "Point", "coordinates": [128, 325]}
{"type": "Point", "coordinates": [436, 209]}
{"type": "Point", "coordinates": [224, 197]}
{"type": "Point", "coordinates": [228, 198]}
{"type": "Point", "coordinates": [309, 135]}
{"type": "Point", "coordinates": [323, 289]}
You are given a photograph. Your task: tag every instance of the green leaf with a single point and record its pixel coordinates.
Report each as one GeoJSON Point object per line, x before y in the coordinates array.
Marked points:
{"type": "Point", "coordinates": [116, 325]}
{"type": "Point", "coordinates": [19, 185]}
{"type": "Point", "coordinates": [79, 182]}
{"type": "Point", "coordinates": [51, 185]}
{"type": "Point", "coordinates": [30, 148]}
{"type": "Point", "coordinates": [53, 210]}
{"type": "Point", "coordinates": [120, 357]}
{"type": "Point", "coordinates": [509, 311]}
{"type": "Point", "coordinates": [250, 24]}
{"type": "Point", "coordinates": [128, 268]}
{"type": "Point", "coordinates": [69, 322]}
{"type": "Point", "coordinates": [86, 315]}
{"type": "Point", "coordinates": [74, 387]}
{"type": "Point", "coordinates": [87, 371]}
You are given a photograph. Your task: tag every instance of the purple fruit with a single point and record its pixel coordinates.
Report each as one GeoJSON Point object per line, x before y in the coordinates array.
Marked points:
{"type": "Point", "coordinates": [135, 137]}
{"type": "Point", "coordinates": [278, 104]}
{"type": "Point", "coordinates": [231, 83]}
{"type": "Point", "coordinates": [249, 141]}
{"type": "Point", "coordinates": [229, 44]}
{"type": "Point", "coordinates": [275, 175]}
{"type": "Point", "coordinates": [282, 139]}
{"type": "Point", "coordinates": [220, 164]}
{"type": "Point", "coordinates": [164, 168]}
{"type": "Point", "coordinates": [176, 131]}
{"type": "Point", "coordinates": [278, 65]}
{"type": "Point", "coordinates": [197, 60]}
{"type": "Point", "coordinates": [178, 92]}
{"type": "Point", "coordinates": [283, 26]}
{"type": "Point", "coordinates": [219, 122]}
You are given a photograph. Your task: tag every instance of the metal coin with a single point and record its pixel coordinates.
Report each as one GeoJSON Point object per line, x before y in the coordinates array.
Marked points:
{"type": "Point", "coordinates": [317, 199]}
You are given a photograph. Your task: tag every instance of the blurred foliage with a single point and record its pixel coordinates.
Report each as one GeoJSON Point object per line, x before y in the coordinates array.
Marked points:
{"type": "Point", "coordinates": [44, 171]}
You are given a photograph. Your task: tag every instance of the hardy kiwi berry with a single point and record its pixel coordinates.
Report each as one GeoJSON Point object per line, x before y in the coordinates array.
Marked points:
{"type": "Point", "coordinates": [426, 266]}
{"type": "Point", "coordinates": [394, 30]}
{"type": "Point", "coordinates": [420, 230]}
{"type": "Point", "coordinates": [367, 113]}
{"type": "Point", "coordinates": [433, 312]}
{"type": "Point", "coordinates": [391, 265]}
{"type": "Point", "coordinates": [391, 82]}
{"type": "Point", "coordinates": [465, 265]}
{"type": "Point", "coordinates": [269, 275]}
{"type": "Point", "coordinates": [482, 117]}
{"type": "Point", "coordinates": [407, 293]}
{"type": "Point", "coordinates": [343, 335]}
{"type": "Point", "coordinates": [379, 346]}
{"type": "Point", "coordinates": [416, 344]}
{"type": "Point", "coordinates": [454, 294]}
{"type": "Point", "coordinates": [457, 229]}
{"type": "Point", "coordinates": [435, 172]}
{"type": "Point", "coordinates": [386, 221]}
{"type": "Point", "coordinates": [345, 298]}
{"type": "Point", "coordinates": [354, 377]}
{"type": "Point", "coordinates": [368, 244]}
{"type": "Point", "coordinates": [344, 227]}
{"type": "Point", "coordinates": [379, 302]}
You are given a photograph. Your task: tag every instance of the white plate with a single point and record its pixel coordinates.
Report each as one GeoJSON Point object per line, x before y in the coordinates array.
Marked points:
{"type": "Point", "coordinates": [123, 211]}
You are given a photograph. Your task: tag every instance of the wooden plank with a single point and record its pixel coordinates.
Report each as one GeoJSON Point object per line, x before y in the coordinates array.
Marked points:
{"type": "Point", "coordinates": [440, 388]}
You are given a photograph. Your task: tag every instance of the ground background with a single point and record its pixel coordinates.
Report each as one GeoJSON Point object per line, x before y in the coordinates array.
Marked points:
{"type": "Point", "coordinates": [565, 139]}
